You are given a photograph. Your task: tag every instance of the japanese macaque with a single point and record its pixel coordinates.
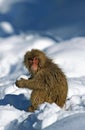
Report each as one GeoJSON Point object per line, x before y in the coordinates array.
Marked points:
{"type": "Point", "coordinates": [48, 82]}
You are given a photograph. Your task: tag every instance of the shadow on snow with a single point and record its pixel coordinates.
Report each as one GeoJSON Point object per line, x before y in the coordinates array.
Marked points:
{"type": "Point", "coordinates": [18, 101]}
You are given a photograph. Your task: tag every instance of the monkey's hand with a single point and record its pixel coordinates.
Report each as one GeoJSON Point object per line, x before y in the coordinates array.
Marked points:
{"type": "Point", "coordinates": [21, 83]}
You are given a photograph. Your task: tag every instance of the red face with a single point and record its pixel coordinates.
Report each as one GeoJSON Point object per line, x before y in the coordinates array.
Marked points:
{"type": "Point", "coordinates": [34, 64]}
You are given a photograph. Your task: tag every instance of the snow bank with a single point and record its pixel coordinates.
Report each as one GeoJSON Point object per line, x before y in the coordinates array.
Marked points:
{"type": "Point", "coordinates": [74, 122]}
{"type": "Point", "coordinates": [15, 47]}
{"type": "Point", "coordinates": [14, 101]}
{"type": "Point", "coordinates": [8, 114]}
{"type": "Point", "coordinates": [70, 56]}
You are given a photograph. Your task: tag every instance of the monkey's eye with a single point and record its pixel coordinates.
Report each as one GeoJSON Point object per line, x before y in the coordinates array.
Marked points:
{"type": "Point", "coordinates": [30, 60]}
{"type": "Point", "coordinates": [35, 60]}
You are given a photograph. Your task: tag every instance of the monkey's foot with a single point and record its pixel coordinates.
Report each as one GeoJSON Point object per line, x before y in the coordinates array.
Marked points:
{"type": "Point", "coordinates": [31, 109]}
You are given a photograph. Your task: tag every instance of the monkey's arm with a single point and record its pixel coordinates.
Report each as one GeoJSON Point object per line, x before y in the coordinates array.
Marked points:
{"type": "Point", "coordinates": [38, 82]}
{"type": "Point", "coordinates": [30, 83]}
{"type": "Point", "coordinates": [42, 80]}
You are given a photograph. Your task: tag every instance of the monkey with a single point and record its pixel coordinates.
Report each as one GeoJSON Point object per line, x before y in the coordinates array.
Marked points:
{"type": "Point", "coordinates": [47, 82]}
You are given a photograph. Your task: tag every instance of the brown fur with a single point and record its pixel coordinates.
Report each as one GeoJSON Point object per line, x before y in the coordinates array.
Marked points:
{"type": "Point", "coordinates": [48, 83]}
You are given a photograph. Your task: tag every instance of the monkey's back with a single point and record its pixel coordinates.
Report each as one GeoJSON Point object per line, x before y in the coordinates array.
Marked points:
{"type": "Point", "coordinates": [57, 83]}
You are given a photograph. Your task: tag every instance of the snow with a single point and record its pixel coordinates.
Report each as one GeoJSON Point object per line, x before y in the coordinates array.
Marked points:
{"type": "Point", "coordinates": [74, 122]}
{"type": "Point", "coordinates": [5, 5]}
{"type": "Point", "coordinates": [14, 101]}
{"type": "Point", "coordinates": [9, 113]}
{"type": "Point", "coordinates": [6, 27]}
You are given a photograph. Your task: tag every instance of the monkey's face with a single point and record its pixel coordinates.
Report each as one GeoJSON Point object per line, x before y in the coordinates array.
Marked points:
{"type": "Point", "coordinates": [34, 60]}
{"type": "Point", "coordinates": [33, 64]}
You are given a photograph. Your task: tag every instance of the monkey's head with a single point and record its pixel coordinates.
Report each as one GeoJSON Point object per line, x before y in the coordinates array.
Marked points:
{"type": "Point", "coordinates": [34, 60]}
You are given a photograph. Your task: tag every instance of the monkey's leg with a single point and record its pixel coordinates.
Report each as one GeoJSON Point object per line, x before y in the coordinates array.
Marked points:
{"type": "Point", "coordinates": [60, 100]}
{"type": "Point", "coordinates": [38, 97]}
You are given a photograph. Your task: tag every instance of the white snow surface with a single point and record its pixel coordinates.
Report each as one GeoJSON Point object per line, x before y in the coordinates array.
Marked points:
{"type": "Point", "coordinates": [6, 27]}
{"type": "Point", "coordinates": [14, 102]}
